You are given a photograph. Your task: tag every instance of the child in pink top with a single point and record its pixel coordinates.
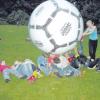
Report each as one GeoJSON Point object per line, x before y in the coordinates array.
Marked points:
{"type": "Point", "coordinates": [3, 67]}
{"type": "Point", "coordinates": [6, 70]}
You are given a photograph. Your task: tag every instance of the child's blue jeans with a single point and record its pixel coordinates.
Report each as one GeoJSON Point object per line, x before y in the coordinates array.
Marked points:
{"type": "Point", "coordinates": [8, 71]}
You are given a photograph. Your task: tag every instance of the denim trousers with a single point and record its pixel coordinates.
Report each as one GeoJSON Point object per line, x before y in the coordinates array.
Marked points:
{"type": "Point", "coordinates": [8, 71]}
{"type": "Point", "coordinates": [67, 71]}
{"type": "Point", "coordinates": [25, 69]}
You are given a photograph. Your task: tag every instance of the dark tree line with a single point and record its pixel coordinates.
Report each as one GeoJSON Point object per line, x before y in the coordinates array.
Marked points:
{"type": "Point", "coordinates": [18, 11]}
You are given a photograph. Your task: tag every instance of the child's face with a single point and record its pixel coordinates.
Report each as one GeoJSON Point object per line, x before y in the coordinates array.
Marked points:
{"type": "Point", "coordinates": [89, 23]}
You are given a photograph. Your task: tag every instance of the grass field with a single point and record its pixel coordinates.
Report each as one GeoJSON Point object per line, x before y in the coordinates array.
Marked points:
{"type": "Point", "coordinates": [14, 46]}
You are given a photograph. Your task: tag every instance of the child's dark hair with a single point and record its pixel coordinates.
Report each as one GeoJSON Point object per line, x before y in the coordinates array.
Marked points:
{"type": "Point", "coordinates": [56, 60]}
{"type": "Point", "coordinates": [94, 21]}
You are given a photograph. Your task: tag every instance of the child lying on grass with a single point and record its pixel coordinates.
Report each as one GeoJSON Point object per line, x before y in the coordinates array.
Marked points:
{"type": "Point", "coordinates": [7, 70]}
{"type": "Point", "coordinates": [28, 70]}
{"type": "Point", "coordinates": [25, 68]}
{"type": "Point", "coordinates": [64, 67]}
{"type": "Point", "coordinates": [57, 64]}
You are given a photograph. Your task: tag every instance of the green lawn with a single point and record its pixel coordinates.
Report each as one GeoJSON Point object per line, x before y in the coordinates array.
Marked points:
{"type": "Point", "coordinates": [14, 46]}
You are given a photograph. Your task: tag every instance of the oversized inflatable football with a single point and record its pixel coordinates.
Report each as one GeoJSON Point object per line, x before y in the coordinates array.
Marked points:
{"type": "Point", "coordinates": [55, 26]}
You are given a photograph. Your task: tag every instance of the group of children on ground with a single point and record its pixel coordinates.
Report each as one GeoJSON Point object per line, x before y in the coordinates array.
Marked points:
{"type": "Point", "coordinates": [60, 65]}
{"type": "Point", "coordinates": [67, 64]}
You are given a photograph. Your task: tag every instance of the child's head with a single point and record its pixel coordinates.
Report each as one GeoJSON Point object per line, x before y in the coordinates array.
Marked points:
{"type": "Point", "coordinates": [56, 60]}
{"type": "Point", "coordinates": [90, 23]}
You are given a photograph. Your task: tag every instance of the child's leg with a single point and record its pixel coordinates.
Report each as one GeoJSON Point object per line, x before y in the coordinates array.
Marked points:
{"type": "Point", "coordinates": [91, 49]}
{"type": "Point", "coordinates": [6, 73]}
{"type": "Point", "coordinates": [45, 70]}
{"type": "Point", "coordinates": [94, 48]}
{"type": "Point", "coordinates": [16, 73]}
{"type": "Point", "coordinates": [77, 72]}
{"type": "Point", "coordinates": [19, 69]}
{"type": "Point", "coordinates": [68, 71]}
{"type": "Point", "coordinates": [80, 49]}
{"type": "Point", "coordinates": [61, 72]}
{"type": "Point", "coordinates": [27, 69]}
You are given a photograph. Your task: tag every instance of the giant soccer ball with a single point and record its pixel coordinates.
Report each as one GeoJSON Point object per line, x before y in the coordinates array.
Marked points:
{"type": "Point", "coordinates": [55, 26]}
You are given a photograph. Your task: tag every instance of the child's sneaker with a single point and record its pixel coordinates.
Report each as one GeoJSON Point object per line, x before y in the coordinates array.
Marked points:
{"type": "Point", "coordinates": [92, 60]}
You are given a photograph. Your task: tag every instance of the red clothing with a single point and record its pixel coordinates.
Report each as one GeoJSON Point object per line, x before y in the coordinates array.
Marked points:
{"type": "Point", "coordinates": [31, 78]}
{"type": "Point", "coordinates": [70, 59]}
{"type": "Point", "coordinates": [3, 67]}
{"type": "Point", "coordinates": [51, 58]}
